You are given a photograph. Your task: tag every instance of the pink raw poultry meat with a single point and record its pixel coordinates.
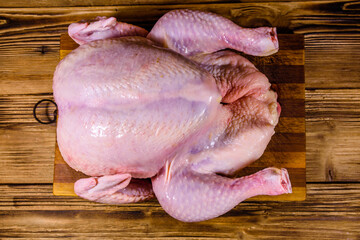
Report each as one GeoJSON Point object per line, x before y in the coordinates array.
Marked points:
{"type": "Point", "coordinates": [171, 107]}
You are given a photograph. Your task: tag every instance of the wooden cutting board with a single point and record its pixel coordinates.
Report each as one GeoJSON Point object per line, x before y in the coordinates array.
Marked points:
{"type": "Point", "coordinates": [286, 149]}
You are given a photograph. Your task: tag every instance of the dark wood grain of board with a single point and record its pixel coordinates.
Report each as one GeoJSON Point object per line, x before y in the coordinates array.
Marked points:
{"type": "Point", "coordinates": [283, 73]}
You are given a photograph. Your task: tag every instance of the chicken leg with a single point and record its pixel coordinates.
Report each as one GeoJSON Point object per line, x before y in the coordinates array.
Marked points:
{"type": "Point", "coordinates": [191, 32]}
{"type": "Point", "coordinates": [190, 196]}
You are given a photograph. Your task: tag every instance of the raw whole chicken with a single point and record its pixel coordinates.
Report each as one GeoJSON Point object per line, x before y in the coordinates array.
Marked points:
{"type": "Point", "coordinates": [174, 106]}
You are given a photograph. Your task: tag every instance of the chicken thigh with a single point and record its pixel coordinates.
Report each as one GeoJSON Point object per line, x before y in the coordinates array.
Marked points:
{"type": "Point", "coordinates": [174, 107]}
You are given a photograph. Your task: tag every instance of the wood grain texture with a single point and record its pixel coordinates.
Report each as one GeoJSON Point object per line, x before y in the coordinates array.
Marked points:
{"type": "Point", "coordinates": [27, 210]}
{"type": "Point", "coordinates": [333, 134]}
{"type": "Point", "coordinates": [26, 147]}
{"type": "Point", "coordinates": [29, 52]}
{"type": "Point", "coordinates": [301, 16]}
{"type": "Point", "coordinates": [77, 3]}
{"type": "Point", "coordinates": [283, 143]}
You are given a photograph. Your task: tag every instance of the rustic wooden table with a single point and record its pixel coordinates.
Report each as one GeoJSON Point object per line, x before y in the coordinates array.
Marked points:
{"type": "Point", "coordinates": [29, 52]}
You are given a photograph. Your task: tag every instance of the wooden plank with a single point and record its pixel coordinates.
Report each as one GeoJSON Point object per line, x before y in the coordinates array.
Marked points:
{"type": "Point", "coordinates": [67, 43]}
{"type": "Point", "coordinates": [287, 142]}
{"type": "Point", "coordinates": [282, 57]}
{"type": "Point", "coordinates": [63, 188]}
{"type": "Point", "coordinates": [292, 107]}
{"type": "Point", "coordinates": [302, 16]}
{"type": "Point", "coordinates": [77, 3]}
{"type": "Point", "coordinates": [289, 90]}
{"type": "Point", "coordinates": [291, 97]}
{"type": "Point", "coordinates": [26, 210]}
{"type": "Point", "coordinates": [26, 147]}
{"type": "Point", "coordinates": [332, 61]}
{"type": "Point", "coordinates": [26, 156]}
{"type": "Point", "coordinates": [290, 124]}
{"type": "Point", "coordinates": [283, 73]}
{"type": "Point", "coordinates": [281, 159]}
{"type": "Point", "coordinates": [336, 143]}
{"type": "Point", "coordinates": [333, 134]}
{"type": "Point", "coordinates": [25, 69]}
{"type": "Point", "coordinates": [333, 104]}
